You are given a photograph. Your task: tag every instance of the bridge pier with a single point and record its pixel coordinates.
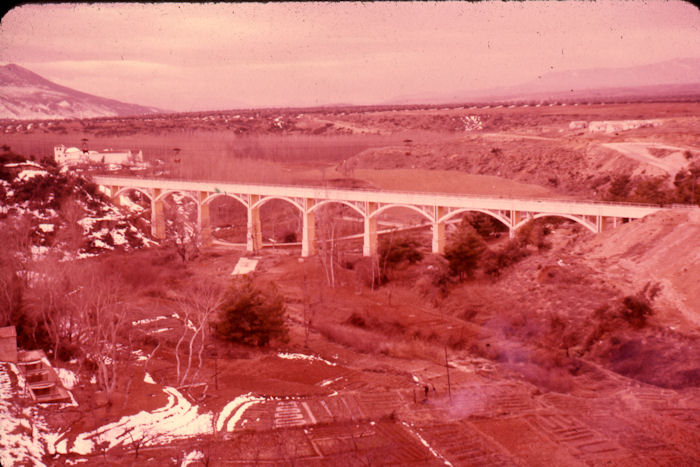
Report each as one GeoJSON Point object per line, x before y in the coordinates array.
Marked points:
{"type": "Point", "coordinates": [439, 230]}
{"type": "Point", "coordinates": [254, 231]}
{"type": "Point", "coordinates": [308, 229]}
{"type": "Point", "coordinates": [369, 245]}
{"type": "Point", "coordinates": [157, 216]}
{"type": "Point", "coordinates": [515, 218]}
{"type": "Point", "coordinates": [204, 220]}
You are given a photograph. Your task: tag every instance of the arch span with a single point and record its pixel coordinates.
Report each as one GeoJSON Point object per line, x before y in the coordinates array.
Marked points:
{"type": "Point", "coordinates": [331, 201]}
{"type": "Point", "coordinates": [209, 199]}
{"type": "Point", "coordinates": [408, 206]}
{"type": "Point", "coordinates": [581, 221]}
{"type": "Point", "coordinates": [502, 219]}
{"type": "Point", "coordinates": [186, 194]}
{"type": "Point", "coordinates": [127, 189]}
{"type": "Point", "coordinates": [262, 201]}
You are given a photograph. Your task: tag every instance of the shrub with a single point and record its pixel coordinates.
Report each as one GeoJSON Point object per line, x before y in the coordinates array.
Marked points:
{"type": "Point", "coordinates": [652, 190]}
{"type": "Point", "coordinates": [464, 250]}
{"type": "Point", "coordinates": [394, 251]}
{"type": "Point", "coordinates": [533, 233]}
{"type": "Point", "coordinates": [251, 315]}
{"type": "Point", "coordinates": [619, 188]}
{"type": "Point", "coordinates": [485, 225]}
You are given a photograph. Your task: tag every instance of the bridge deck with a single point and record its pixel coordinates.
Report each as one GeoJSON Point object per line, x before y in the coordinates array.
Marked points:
{"type": "Point", "coordinates": [587, 208]}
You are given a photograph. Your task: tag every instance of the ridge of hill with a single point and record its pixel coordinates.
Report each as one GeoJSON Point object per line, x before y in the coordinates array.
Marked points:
{"type": "Point", "coordinates": [26, 95]}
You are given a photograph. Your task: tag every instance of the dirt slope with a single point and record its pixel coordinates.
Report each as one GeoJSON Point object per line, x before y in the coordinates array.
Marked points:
{"type": "Point", "coordinates": [663, 247]}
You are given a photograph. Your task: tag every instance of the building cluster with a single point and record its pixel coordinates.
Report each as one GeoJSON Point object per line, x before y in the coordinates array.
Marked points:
{"type": "Point", "coordinates": [75, 156]}
{"type": "Point", "coordinates": [613, 126]}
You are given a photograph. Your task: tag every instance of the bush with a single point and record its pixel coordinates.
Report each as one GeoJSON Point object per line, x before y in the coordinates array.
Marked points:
{"type": "Point", "coordinates": [619, 188]}
{"type": "Point", "coordinates": [534, 233]}
{"type": "Point", "coordinates": [251, 316]}
{"type": "Point", "coordinates": [485, 225]}
{"type": "Point", "coordinates": [464, 250]}
{"type": "Point", "coordinates": [394, 251]}
{"type": "Point", "coordinates": [493, 262]}
{"type": "Point", "coordinates": [652, 190]}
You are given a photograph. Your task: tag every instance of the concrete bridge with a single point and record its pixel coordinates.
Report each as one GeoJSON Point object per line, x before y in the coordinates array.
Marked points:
{"type": "Point", "coordinates": [369, 204]}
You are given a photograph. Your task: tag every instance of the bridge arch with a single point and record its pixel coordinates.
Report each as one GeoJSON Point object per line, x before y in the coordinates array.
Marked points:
{"type": "Point", "coordinates": [184, 193]}
{"type": "Point", "coordinates": [127, 189]}
{"type": "Point", "coordinates": [332, 201]}
{"type": "Point", "coordinates": [209, 199]}
{"type": "Point", "coordinates": [409, 206]}
{"type": "Point", "coordinates": [262, 201]}
{"type": "Point", "coordinates": [581, 221]}
{"type": "Point", "coordinates": [502, 219]}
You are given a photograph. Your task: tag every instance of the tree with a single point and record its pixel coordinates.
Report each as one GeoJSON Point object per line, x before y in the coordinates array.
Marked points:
{"type": "Point", "coordinates": [251, 315]}
{"type": "Point", "coordinates": [619, 188]}
{"type": "Point", "coordinates": [687, 186]}
{"type": "Point", "coordinates": [196, 307]}
{"type": "Point", "coordinates": [394, 251]}
{"type": "Point", "coordinates": [464, 250]}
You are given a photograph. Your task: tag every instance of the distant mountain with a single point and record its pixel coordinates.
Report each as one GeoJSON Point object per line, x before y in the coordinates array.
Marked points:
{"type": "Point", "coordinates": [678, 77]}
{"type": "Point", "coordinates": [24, 95]}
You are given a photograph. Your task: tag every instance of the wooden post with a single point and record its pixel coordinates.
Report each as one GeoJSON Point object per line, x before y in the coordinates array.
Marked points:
{"type": "Point", "coordinates": [447, 368]}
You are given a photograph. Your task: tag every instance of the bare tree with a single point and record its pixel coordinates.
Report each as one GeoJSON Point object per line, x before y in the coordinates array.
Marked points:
{"type": "Point", "coordinates": [196, 307]}
{"type": "Point", "coordinates": [15, 260]}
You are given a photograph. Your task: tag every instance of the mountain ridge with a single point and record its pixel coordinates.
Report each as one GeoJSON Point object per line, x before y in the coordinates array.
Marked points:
{"type": "Point", "coordinates": [662, 79]}
{"type": "Point", "coordinates": [25, 95]}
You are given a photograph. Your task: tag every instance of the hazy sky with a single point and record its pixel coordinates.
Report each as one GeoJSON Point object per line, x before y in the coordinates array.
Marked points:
{"type": "Point", "coordinates": [224, 55]}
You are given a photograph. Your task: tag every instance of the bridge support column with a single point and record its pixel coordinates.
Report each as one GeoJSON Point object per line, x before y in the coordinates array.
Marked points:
{"type": "Point", "coordinates": [157, 216]}
{"type": "Point", "coordinates": [116, 200]}
{"type": "Point", "coordinates": [438, 231]}
{"type": "Point", "coordinates": [515, 218]}
{"type": "Point", "coordinates": [308, 232]}
{"type": "Point", "coordinates": [204, 220]}
{"type": "Point", "coordinates": [369, 246]}
{"type": "Point", "coordinates": [254, 234]}
{"type": "Point", "coordinates": [602, 226]}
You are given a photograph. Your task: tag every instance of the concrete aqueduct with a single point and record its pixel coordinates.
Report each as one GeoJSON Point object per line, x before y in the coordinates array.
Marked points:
{"type": "Point", "coordinates": [436, 208]}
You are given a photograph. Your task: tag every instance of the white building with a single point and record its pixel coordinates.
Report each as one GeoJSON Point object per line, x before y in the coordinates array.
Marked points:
{"type": "Point", "coordinates": [74, 156]}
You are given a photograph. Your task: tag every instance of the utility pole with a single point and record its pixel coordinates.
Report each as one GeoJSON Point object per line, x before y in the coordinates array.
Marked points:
{"type": "Point", "coordinates": [447, 368]}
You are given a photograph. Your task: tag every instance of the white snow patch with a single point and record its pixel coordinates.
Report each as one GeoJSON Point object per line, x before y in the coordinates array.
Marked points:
{"type": "Point", "coordinates": [47, 227]}
{"type": "Point", "coordinates": [67, 377]}
{"type": "Point", "coordinates": [425, 443]}
{"type": "Point", "coordinates": [238, 406]}
{"type": "Point", "coordinates": [26, 174]}
{"type": "Point", "coordinates": [177, 419]}
{"type": "Point", "coordinates": [148, 379]}
{"type": "Point", "coordinates": [301, 356]}
{"type": "Point", "coordinates": [244, 266]}
{"type": "Point", "coordinates": [331, 381]}
{"type": "Point", "coordinates": [192, 457]}
{"type": "Point", "coordinates": [118, 237]}
{"type": "Point", "coordinates": [187, 322]}
{"type": "Point", "coordinates": [148, 320]}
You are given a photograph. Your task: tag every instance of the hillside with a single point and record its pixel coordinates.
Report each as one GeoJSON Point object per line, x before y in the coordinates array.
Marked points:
{"type": "Point", "coordinates": [61, 212]}
{"type": "Point", "coordinates": [25, 95]}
